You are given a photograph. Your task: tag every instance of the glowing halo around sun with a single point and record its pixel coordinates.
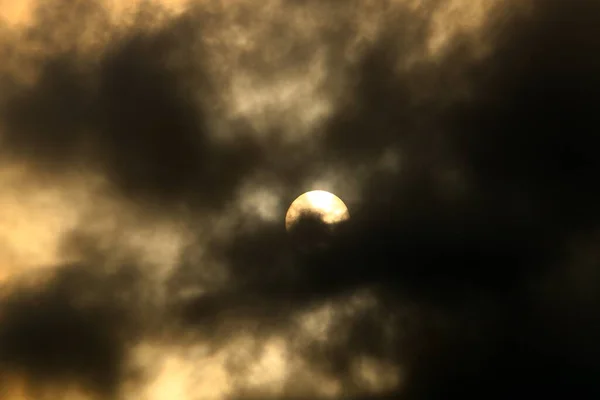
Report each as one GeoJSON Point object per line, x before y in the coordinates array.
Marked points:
{"type": "Point", "coordinates": [328, 207]}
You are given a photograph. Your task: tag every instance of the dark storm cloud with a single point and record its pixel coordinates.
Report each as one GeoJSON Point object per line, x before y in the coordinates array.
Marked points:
{"type": "Point", "coordinates": [75, 329]}
{"type": "Point", "coordinates": [132, 115]}
{"type": "Point", "coordinates": [519, 128]}
{"type": "Point", "coordinates": [498, 170]}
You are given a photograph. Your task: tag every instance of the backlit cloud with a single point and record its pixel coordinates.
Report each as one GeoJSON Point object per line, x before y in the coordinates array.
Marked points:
{"type": "Point", "coordinates": [148, 152]}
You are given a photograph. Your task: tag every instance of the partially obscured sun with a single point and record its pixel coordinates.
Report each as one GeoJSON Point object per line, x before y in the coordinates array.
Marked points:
{"type": "Point", "coordinates": [329, 208]}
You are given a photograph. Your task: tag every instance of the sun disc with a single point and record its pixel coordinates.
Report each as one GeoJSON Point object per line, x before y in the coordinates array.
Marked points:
{"type": "Point", "coordinates": [328, 207]}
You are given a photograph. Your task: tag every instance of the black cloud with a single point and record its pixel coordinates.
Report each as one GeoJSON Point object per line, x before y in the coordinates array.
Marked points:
{"type": "Point", "coordinates": [132, 116]}
{"type": "Point", "coordinates": [75, 329]}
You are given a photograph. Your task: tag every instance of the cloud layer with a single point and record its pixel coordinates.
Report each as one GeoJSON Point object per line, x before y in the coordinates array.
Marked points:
{"type": "Point", "coordinates": [466, 152]}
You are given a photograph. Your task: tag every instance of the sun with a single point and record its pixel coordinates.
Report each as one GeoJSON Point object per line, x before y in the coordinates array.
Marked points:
{"type": "Point", "coordinates": [328, 207]}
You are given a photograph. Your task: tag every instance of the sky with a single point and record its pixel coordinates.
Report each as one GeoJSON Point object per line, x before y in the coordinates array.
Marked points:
{"type": "Point", "coordinates": [149, 151]}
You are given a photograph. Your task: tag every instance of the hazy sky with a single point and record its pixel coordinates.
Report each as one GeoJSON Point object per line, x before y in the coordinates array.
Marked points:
{"type": "Point", "coordinates": [149, 151]}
